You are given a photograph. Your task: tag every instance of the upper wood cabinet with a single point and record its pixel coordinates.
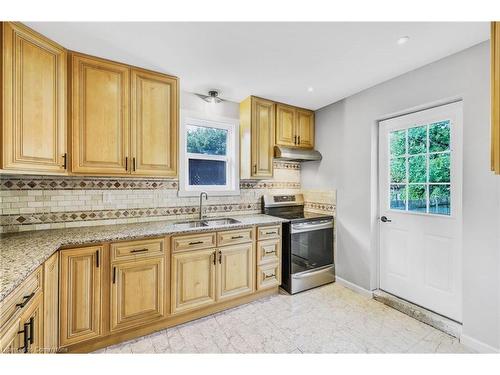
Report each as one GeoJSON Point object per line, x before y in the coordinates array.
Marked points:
{"type": "Point", "coordinates": [495, 97]}
{"type": "Point", "coordinates": [80, 294]}
{"type": "Point", "coordinates": [124, 120]}
{"type": "Point", "coordinates": [33, 102]}
{"type": "Point", "coordinates": [154, 123]}
{"type": "Point", "coordinates": [100, 124]}
{"type": "Point", "coordinates": [294, 126]}
{"type": "Point", "coordinates": [257, 120]}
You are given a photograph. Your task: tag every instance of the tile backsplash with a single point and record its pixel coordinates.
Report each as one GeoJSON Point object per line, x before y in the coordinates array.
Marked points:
{"type": "Point", "coordinates": [47, 202]}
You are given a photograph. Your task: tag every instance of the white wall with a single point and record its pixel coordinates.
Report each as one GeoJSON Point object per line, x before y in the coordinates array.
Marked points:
{"type": "Point", "coordinates": [346, 135]}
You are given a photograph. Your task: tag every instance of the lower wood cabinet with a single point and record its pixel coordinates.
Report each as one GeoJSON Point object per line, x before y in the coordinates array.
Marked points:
{"type": "Point", "coordinates": [9, 338]}
{"type": "Point", "coordinates": [31, 327]}
{"type": "Point", "coordinates": [193, 279]}
{"type": "Point", "coordinates": [80, 294]}
{"type": "Point", "coordinates": [137, 292]}
{"type": "Point", "coordinates": [51, 304]}
{"type": "Point", "coordinates": [235, 271]}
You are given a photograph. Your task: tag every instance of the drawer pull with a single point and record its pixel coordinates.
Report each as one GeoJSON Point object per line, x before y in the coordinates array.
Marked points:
{"type": "Point", "coordinates": [269, 276]}
{"type": "Point", "coordinates": [26, 299]}
{"type": "Point", "coordinates": [195, 242]}
{"type": "Point", "coordinates": [269, 251]}
{"type": "Point", "coordinates": [273, 232]}
{"type": "Point", "coordinates": [139, 250]}
{"type": "Point", "coordinates": [236, 237]}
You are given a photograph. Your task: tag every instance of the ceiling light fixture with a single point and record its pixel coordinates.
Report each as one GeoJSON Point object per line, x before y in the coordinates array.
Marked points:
{"type": "Point", "coordinates": [212, 97]}
{"type": "Point", "coordinates": [403, 40]}
{"type": "Point", "coordinates": [310, 89]}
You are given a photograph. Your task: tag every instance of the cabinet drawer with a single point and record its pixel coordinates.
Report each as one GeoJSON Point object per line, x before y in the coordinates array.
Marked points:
{"type": "Point", "coordinates": [193, 242]}
{"type": "Point", "coordinates": [137, 249]}
{"type": "Point", "coordinates": [264, 233]}
{"type": "Point", "coordinates": [21, 296]}
{"type": "Point", "coordinates": [268, 251]}
{"type": "Point", "coordinates": [231, 237]}
{"type": "Point", "coordinates": [268, 276]}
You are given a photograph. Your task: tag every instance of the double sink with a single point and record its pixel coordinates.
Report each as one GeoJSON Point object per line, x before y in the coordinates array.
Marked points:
{"type": "Point", "coordinates": [205, 223]}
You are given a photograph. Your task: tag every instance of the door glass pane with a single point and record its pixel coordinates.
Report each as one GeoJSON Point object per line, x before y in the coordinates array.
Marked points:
{"type": "Point", "coordinates": [207, 172]}
{"type": "Point", "coordinates": [398, 197]}
{"type": "Point", "coordinates": [417, 140]}
{"type": "Point", "coordinates": [417, 198]}
{"type": "Point", "coordinates": [417, 171]}
{"type": "Point", "coordinates": [439, 199]}
{"type": "Point", "coordinates": [439, 167]}
{"type": "Point", "coordinates": [398, 170]}
{"type": "Point", "coordinates": [439, 136]}
{"type": "Point", "coordinates": [205, 140]}
{"type": "Point", "coordinates": [398, 142]}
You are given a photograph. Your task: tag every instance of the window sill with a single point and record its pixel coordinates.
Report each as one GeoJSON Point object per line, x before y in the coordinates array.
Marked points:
{"type": "Point", "coordinates": [211, 193]}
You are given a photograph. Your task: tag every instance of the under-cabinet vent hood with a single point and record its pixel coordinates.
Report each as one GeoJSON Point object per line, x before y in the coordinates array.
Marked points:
{"type": "Point", "coordinates": [295, 154]}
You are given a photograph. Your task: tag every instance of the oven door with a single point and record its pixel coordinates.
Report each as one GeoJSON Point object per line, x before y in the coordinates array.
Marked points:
{"type": "Point", "coordinates": [311, 245]}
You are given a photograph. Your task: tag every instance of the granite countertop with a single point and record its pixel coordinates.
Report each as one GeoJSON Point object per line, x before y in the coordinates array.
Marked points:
{"type": "Point", "coordinates": [22, 253]}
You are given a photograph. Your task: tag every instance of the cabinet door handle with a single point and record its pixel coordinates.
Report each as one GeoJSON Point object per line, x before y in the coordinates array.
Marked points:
{"type": "Point", "coordinates": [139, 250]}
{"type": "Point", "coordinates": [65, 162]}
{"type": "Point", "coordinates": [214, 254]}
{"type": "Point", "coordinates": [133, 164]}
{"type": "Point", "coordinates": [195, 242]}
{"type": "Point", "coordinates": [114, 275]}
{"type": "Point", "coordinates": [220, 257]}
{"type": "Point", "coordinates": [295, 140]}
{"type": "Point", "coordinates": [126, 163]}
{"type": "Point", "coordinates": [298, 140]}
{"type": "Point", "coordinates": [25, 332]}
{"type": "Point", "coordinates": [97, 258]}
{"type": "Point", "coordinates": [26, 299]}
{"type": "Point", "coordinates": [255, 168]}
{"type": "Point", "coordinates": [32, 330]}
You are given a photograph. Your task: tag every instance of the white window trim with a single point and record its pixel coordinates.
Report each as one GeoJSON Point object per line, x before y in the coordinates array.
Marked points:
{"type": "Point", "coordinates": [233, 170]}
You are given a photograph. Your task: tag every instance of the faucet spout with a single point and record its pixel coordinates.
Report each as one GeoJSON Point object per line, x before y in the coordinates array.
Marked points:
{"type": "Point", "coordinates": [203, 193]}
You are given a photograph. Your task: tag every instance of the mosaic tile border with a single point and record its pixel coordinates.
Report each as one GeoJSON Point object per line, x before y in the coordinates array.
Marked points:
{"type": "Point", "coordinates": [129, 213]}
{"type": "Point", "coordinates": [319, 206]}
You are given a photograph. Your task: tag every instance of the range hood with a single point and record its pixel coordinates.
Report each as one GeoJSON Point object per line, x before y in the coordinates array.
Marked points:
{"type": "Point", "coordinates": [295, 154]}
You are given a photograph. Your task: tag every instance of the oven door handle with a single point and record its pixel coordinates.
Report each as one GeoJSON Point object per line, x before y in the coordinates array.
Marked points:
{"type": "Point", "coordinates": [313, 272]}
{"type": "Point", "coordinates": [308, 227]}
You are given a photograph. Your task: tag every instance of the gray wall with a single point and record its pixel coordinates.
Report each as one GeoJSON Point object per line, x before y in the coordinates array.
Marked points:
{"type": "Point", "coordinates": [346, 135]}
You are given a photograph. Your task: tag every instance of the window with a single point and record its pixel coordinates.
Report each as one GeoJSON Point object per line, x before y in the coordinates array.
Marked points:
{"type": "Point", "coordinates": [420, 169]}
{"type": "Point", "coordinates": [208, 157]}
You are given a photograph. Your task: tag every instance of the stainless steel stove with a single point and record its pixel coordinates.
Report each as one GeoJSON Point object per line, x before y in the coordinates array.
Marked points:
{"type": "Point", "coordinates": [307, 248]}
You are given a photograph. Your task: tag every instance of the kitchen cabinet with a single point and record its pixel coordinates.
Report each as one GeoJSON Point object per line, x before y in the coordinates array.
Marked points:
{"type": "Point", "coordinates": [31, 327]}
{"type": "Point", "coordinates": [80, 294]}
{"type": "Point", "coordinates": [124, 119]}
{"type": "Point", "coordinates": [33, 102]}
{"type": "Point", "coordinates": [294, 126]}
{"type": "Point", "coordinates": [137, 292]}
{"type": "Point", "coordinates": [235, 271]}
{"type": "Point", "coordinates": [495, 97]}
{"type": "Point", "coordinates": [154, 120]}
{"type": "Point", "coordinates": [51, 304]}
{"type": "Point", "coordinates": [257, 121]}
{"type": "Point", "coordinates": [193, 279]}
{"type": "Point", "coordinates": [9, 338]}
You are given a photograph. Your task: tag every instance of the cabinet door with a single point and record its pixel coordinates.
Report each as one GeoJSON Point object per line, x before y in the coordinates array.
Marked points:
{"type": "Point", "coordinates": [51, 304]}
{"type": "Point", "coordinates": [100, 116]}
{"type": "Point", "coordinates": [285, 125]}
{"type": "Point", "coordinates": [137, 292]}
{"type": "Point", "coordinates": [305, 128]}
{"type": "Point", "coordinates": [34, 101]}
{"type": "Point", "coordinates": [32, 319]}
{"type": "Point", "coordinates": [80, 294]}
{"type": "Point", "coordinates": [262, 142]}
{"type": "Point", "coordinates": [154, 124]}
{"type": "Point", "coordinates": [235, 272]}
{"type": "Point", "coordinates": [9, 338]}
{"type": "Point", "coordinates": [193, 279]}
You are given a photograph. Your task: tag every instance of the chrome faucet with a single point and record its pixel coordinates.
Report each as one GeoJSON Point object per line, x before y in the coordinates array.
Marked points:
{"type": "Point", "coordinates": [201, 201]}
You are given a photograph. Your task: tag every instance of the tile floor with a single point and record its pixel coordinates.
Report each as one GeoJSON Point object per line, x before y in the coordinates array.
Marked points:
{"type": "Point", "coordinates": [330, 319]}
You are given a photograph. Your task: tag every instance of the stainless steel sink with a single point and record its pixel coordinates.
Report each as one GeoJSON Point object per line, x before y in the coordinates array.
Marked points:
{"type": "Point", "coordinates": [205, 223]}
{"type": "Point", "coordinates": [221, 221]}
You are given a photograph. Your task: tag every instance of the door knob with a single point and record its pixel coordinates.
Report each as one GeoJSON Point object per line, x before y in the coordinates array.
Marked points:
{"type": "Point", "coordinates": [384, 219]}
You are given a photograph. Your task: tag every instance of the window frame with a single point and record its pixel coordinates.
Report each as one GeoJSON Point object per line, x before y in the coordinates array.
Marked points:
{"type": "Point", "coordinates": [232, 186]}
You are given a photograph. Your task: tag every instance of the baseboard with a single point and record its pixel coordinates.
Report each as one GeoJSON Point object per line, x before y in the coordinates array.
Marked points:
{"type": "Point", "coordinates": [354, 287]}
{"type": "Point", "coordinates": [477, 345]}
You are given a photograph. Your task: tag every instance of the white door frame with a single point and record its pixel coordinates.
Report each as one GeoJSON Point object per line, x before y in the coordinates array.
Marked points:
{"type": "Point", "coordinates": [377, 194]}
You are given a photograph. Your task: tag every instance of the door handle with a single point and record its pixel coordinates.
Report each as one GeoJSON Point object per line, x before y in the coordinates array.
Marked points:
{"type": "Point", "coordinates": [384, 219]}
{"type": "Point", "coordinates": [220, 257]}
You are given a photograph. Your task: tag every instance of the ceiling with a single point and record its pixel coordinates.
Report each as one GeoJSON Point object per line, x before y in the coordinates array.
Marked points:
{"type": "Point", "coordinates": [279, 61]}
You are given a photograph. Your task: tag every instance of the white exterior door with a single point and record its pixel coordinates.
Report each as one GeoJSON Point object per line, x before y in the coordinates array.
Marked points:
{"type": "Point", "coordinates": [420, 185]}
